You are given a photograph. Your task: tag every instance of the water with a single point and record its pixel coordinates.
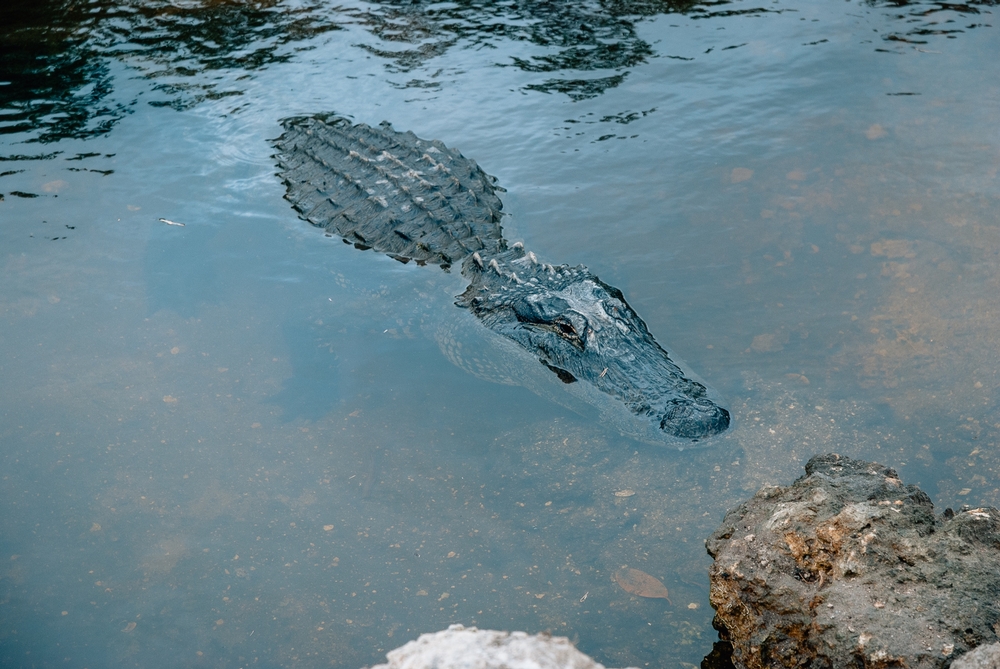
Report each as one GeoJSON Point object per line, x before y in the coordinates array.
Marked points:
{"type": "Point", "coordinates": [238, 443]}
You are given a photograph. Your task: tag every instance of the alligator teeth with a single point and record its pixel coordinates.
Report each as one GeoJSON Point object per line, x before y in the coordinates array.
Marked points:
{"type": "Point", "coordinates": [476, 258]}
{"type": "Point", "coordinates": [532, 258]}
{"type": "Point", "coordinates": [517, 245]}
{"type": "Point", "coordinates": [494, 266]}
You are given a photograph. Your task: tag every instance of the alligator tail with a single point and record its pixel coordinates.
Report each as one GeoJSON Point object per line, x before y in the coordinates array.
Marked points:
{"type": "Point", "coordinates": [393, 192]}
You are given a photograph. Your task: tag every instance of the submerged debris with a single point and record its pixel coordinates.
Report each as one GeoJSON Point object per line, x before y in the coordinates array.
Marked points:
{"type": "Point", "coordinates": [641, 584]}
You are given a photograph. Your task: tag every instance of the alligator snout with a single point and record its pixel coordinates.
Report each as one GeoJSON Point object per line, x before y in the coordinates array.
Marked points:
{"type": "Point", "coordinates": [694, 419]}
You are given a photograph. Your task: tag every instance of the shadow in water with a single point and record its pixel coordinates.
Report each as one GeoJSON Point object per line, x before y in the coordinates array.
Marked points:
{"type": "Point", "coordinates": [315, 386]}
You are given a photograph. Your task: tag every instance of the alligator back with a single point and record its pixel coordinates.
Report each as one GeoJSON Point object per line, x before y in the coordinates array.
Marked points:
{"type": "Point", "coordinates": [390, 191]}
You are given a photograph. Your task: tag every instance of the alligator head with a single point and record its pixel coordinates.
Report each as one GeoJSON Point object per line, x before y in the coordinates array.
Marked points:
{"type": "Point", "coordinates": [583, 330]}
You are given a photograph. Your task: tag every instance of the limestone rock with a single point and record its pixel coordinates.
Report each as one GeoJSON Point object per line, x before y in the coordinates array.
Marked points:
{"type": "Point", "coordinates": [459, 647]}
{"type": "Point", "coordinates": [849, 567]}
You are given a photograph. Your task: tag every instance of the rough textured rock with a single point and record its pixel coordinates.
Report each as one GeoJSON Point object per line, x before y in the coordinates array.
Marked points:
{"type": "Point", "coordinates": [459, 647]}
{"type": "Point", "coordinates": [984, 657]}
{"type": "Point", "coordinates": [849, 567]}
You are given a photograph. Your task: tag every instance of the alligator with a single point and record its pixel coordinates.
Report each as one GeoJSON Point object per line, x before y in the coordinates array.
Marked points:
{"type": "Point", "coordinates": [417, 200]}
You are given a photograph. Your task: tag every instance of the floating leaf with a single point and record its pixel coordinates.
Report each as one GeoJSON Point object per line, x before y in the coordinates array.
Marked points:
{"type": "Point", "coordinates": [640, 583]}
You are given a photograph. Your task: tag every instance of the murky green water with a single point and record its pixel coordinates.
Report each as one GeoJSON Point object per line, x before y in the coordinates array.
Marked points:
{"type": "Point", "coordinates": [238, 443]}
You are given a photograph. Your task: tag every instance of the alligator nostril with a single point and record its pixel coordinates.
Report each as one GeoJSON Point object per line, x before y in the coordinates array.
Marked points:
{"type": "Point", "coordinates": [564, 376]}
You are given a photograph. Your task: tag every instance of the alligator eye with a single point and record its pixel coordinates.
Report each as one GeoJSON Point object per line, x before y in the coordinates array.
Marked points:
{"type": "Point", "coordinates": [566, 329]}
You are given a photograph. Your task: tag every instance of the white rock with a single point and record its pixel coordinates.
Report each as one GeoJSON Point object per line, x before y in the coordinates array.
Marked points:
{"type": "Point", "coordinates": [459, 647]}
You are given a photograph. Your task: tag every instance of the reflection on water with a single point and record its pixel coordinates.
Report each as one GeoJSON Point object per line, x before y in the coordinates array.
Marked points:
{"type": "Point", "coordinates": [587, 36]}
{"type": "Point", "coordinates": [52, 83]}
{"type": "Point", "coordinates": [57, 54]}
{"type": "Point", "coordinates": [237, 442]}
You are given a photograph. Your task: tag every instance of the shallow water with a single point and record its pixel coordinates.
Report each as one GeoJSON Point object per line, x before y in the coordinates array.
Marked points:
{"type": "Point", "coordinates": [239, 443]}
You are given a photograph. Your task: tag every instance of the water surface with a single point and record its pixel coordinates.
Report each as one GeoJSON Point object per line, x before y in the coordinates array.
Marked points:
{"type": "Point", "coordinates": [238, 443]}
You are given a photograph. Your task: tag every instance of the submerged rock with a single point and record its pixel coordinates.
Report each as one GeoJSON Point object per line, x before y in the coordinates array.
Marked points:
{"type": "Point", "coordinates": [849, 567]}
{"type": "Point", "coordinates": [459, 647]}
